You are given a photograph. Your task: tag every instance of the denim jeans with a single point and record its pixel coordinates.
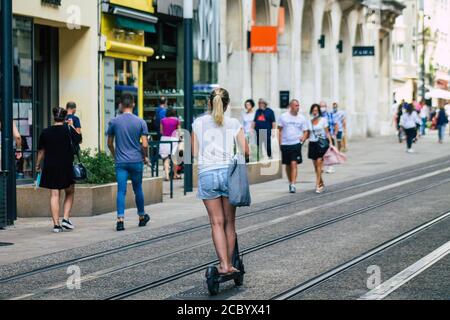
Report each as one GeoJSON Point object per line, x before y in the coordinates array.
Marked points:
{"type": "Point", "coordinates": [441, 131]}
{"type": "Point", "coordinates": [423, 127]}
{"type": "Point", "coordinates": [135, 172]}
{"type": "Point", "coordinates": [411, 134]}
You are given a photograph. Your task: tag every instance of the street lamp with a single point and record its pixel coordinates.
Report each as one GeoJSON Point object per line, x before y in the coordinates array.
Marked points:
{"type": "Point", "coordinates": [188, 15]}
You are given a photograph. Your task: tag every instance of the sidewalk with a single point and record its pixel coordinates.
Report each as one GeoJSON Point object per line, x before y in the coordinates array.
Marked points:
{"type": "Point", "coordinates": [33, 237]}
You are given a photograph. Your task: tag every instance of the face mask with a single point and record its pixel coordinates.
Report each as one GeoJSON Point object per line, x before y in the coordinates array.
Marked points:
{"type": "Point", "coordinates": [323, 110]}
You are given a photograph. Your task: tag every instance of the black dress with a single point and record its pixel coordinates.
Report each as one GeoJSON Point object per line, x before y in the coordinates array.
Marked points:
{"type": "Point", "coordinates": [57, 171]}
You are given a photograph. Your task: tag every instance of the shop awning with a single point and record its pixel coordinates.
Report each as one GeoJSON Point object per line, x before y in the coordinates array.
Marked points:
{"type": "Point", "coordinates": [130, 49]}
{"type": "Point", "coordinates": [438, 94]}
{"type": "Point", "coordinates": [128, 23]}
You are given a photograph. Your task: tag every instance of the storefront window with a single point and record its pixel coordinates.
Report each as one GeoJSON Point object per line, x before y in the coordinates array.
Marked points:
{"type": "Point", "coordinates": [23, 93]}
{"type": "Point", "coordinates": [121, 76]}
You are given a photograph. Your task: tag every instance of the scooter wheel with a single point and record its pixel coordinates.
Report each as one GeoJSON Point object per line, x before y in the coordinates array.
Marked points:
{"type": "Point", "coordinates": [213, 286]}
{"type": "Point", "coordinates": [239, 281]}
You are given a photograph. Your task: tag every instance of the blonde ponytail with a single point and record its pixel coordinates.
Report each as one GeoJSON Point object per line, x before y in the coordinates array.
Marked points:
{"type": "Point", "coordinates": [219, 101]}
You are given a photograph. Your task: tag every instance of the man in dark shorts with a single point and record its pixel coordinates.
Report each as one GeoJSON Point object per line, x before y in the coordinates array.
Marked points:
{"type": "Point", "coordinates": [293, 132]}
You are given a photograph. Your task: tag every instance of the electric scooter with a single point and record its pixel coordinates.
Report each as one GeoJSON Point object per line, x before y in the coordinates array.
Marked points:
{"type": "Point", "coordinates": [214, 279]}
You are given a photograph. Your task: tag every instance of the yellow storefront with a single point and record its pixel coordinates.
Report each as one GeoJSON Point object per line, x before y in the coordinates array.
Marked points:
{"type": "Point", "coordinates": [123, 27]}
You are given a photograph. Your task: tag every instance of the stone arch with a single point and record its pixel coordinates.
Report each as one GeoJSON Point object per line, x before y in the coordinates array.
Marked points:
{"type": "Point", "coordinates": [260, 63]}
{"type": "Point", "coordinates": [326, 60]}
{"type": "Point", "coordinates": [308, 43]}
{"type": "Point", "coordinates": [285, 57]}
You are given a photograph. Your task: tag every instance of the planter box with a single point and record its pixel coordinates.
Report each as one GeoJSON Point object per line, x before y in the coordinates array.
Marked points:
{"type": "Point", "coordinates": [258, 172]}
{"type": "Point", "coordinates": [89, 201]}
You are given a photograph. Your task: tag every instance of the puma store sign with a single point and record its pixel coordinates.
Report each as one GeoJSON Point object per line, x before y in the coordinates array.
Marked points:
{"type": "Point", "coordinates": [54, 3]}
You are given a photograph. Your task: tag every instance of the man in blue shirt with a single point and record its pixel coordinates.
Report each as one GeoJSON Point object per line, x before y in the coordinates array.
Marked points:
{"type": "Point", "coordinates": [265, 123]}
{"type": "Point", "coordinates": [127, 130]}
{"type": "Point", "coordinates": [71, 108]}
{"type": "Point", "coordinates": [339, 116]}
{"type": "Point", "coordinates": [161, 113]}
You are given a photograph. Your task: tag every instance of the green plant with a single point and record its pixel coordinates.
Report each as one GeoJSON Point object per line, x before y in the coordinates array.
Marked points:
{"type": "Point", "coordinates": [100, 167]}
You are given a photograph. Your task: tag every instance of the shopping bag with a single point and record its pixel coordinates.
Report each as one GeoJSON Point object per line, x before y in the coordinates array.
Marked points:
{"type": "Point", "coordinates": [333, 157]}
{"type": "Point", "coordinates": [238, 185]}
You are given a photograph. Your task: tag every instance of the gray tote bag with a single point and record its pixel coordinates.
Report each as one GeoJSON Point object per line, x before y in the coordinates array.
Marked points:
{"type": "Point", "coordinates": [238, 186]}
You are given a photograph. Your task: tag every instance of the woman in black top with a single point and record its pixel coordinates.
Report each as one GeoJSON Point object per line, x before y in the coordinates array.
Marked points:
{"type": "Point", "coordinates": [56, 155]}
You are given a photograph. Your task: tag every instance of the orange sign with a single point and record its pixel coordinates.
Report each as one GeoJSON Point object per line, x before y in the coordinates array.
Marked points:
{"type": "Point", "coordinates": [264, 39]}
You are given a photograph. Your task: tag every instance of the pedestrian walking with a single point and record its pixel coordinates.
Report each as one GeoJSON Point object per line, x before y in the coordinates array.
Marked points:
{"type": "Point", "coordinates": [293, 132]}
{"type": "Point", "coordinates": [213, 144]}
{"type": "Point", "coordinates": [125, 133]}
{"type": "Point", "coordinates": [397, 118]}
{"type": "Point", "coordinates": [161, 113]}
{"type": "Point", "coordinates": [341, 122]}
{"type": "Point", "coordinates": [319, 142]}
{"type": "Point", "coordinates": [332, 126]}
{"type": "Point", "coordinates": [265, 125]}
{"type": "Point", "coordinates": [170, 130]}
{"type": "Point", "coordinates": [409, 122]}
{"type": "Point", "coordinates": [247, 118]}
{"type": "Point", "coordinates": [441, 123]}
{"type": "Point", "coordinates": [73, 120]}
{"type": "Point", "coordinates": [424, 116]}
{"type": "Point", "coordinates": [55, 162]}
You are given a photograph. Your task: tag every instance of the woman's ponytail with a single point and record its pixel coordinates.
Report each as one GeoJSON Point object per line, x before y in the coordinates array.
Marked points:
{"type": "Point", "coordinates": [219, 101]}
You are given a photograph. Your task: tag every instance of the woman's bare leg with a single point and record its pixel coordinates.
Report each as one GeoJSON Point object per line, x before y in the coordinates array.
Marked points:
{"type": "Point", "coordinates": [230, 228]}
{"type": "Point", "coordinates": [167, 168]}
{"type": "Point", "coordinates": [319, 170]}
{"type": "Point", "coordinates": [54, 206]}
{"type": "Point", "coordinates": [68, 201]}
{"type": "Point", "coordinates": [318, 173]}
{"type": "Point", "coordinates": [217, 219]}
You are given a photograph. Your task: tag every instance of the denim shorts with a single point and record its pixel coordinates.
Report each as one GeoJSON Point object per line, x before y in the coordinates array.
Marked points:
{"type": "Point", "coordinates": [213, 184]}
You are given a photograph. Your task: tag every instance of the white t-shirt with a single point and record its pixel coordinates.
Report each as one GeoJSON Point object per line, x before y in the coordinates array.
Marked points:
{"type": "Point", "coordinates": [409, 121]}
{"type": "Point", "coordinates": [293, 128]}
{"type": "Point", "coordinates": [318, 130]}
{"type": "Point", "coordinates": [216, 145]}
{"type": "Point", "coordinates": [247, 120]}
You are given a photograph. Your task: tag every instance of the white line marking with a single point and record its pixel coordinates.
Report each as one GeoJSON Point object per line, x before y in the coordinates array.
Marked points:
{"type": "Point", "coordinates": [386, 288]}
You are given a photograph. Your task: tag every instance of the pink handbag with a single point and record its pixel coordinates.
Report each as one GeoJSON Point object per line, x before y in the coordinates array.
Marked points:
{"type": "Point", "coordinates": [333, 157]}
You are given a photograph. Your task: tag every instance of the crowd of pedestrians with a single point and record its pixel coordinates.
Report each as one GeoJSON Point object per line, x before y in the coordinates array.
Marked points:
{"type": "Point", "coordinates": [414, 120]}
{"type": "Point", "coordinates": [216, 139]}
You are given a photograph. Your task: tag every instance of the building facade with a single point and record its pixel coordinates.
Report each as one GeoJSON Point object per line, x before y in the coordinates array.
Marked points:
{"type": "Point", "coordinates": [55, 46]}
{"type": "Point", "coordinates": [318, 56]}
{"type": "Point", "coordinates": [405, 52]}
{"type": "Point", "coordinates": [92, 51]}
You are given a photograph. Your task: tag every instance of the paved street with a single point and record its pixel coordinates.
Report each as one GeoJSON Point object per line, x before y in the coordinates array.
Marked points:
{"type": "Point", "coordinates": [304, 246]}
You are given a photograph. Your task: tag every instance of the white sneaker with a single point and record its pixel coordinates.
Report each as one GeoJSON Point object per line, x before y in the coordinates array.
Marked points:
{"type": "Point", "coordinates": [410, 151]}
{"type": "Point", "coordinates": [330, 170]}
{"type": "Point", "coordinates": [292, 188]}
{"type": "Point", "coordinates": [66, 224]}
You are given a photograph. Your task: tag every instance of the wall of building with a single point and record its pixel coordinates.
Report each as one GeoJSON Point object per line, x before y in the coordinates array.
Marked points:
{"type": "Point", "coordinates": [312, 73]}
{"type": "Point", "coordinates": [77, 21]}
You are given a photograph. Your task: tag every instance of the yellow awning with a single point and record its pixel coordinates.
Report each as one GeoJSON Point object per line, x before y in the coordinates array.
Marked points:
{"type": "Point", "coordinates": [129, 49]}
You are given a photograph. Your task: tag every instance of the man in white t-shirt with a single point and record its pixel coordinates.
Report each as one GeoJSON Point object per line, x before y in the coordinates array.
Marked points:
{"type": "Point", "coordinates": [293, 132]}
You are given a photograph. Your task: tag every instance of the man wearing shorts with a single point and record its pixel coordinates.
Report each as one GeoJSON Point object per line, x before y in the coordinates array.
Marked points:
{"type": "Point", "coordinates": [341, 124]}
{"type": "Point", "coordinates": [293, 132]}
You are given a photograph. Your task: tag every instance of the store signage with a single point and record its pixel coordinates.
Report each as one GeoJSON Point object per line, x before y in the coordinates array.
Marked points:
{"type": "Point", "coordinates": [171, 7]}
{"type": "Point", "coordinates": [206, 26]}
{"type": "Point", "coordinates": [363, 51]}
{"type": "Point", "coordinates": [264, 39]}
{"type": "Point", "coordinates": [56, 3]}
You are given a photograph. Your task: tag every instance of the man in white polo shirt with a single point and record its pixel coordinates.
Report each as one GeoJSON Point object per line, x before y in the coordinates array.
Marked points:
{"type": "Point", "coordinates": [293, 132]}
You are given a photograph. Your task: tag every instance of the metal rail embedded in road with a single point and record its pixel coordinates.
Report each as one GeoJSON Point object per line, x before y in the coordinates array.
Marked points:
{"type": "Point", "coordinates": [205, 226]}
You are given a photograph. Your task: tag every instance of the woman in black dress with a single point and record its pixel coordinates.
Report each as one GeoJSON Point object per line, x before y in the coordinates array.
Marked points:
{"type": "Point", "coordinates": [56, 155]}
